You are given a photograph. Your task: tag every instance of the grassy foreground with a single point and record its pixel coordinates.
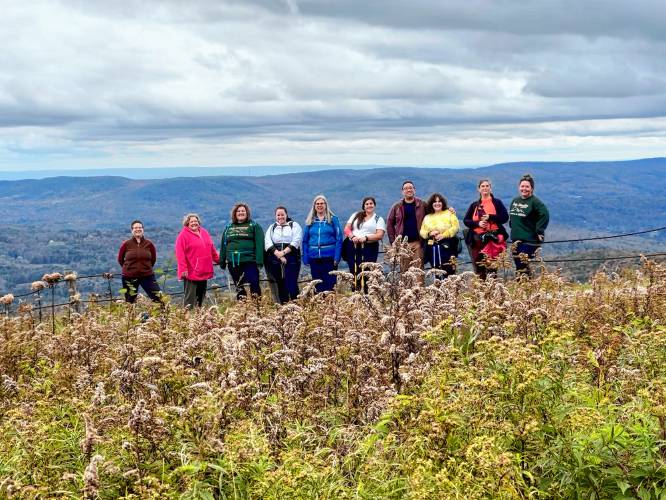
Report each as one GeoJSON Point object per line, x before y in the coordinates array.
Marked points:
{"type": "Point", "coordinates": [461, 389]}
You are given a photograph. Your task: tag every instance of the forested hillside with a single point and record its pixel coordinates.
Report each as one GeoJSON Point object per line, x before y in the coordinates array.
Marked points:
{"type": "Point", "coordinates": [78, 223]}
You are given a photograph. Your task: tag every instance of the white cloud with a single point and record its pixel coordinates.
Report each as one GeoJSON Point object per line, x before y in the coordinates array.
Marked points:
{"type": "Point", "coordinates": [152, 83]}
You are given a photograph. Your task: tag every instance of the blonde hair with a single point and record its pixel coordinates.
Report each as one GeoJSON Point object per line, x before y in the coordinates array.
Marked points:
{"type": "Point", "coordinates": [313, 212]}
{"type": "Point", "coordinates": [186, 219]}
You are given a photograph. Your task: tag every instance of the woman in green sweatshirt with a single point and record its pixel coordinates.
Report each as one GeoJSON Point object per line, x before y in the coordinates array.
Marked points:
{"type": "Point", "coordinates": [528, 218]}
{"type": "Point", "coordinates": [242, 249]}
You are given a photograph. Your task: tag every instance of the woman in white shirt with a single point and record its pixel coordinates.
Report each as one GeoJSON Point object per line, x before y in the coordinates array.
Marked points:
{"type": "Point", "coordinates": [282, 242]}
{"type": "Point", "coordinates": [364, 230]}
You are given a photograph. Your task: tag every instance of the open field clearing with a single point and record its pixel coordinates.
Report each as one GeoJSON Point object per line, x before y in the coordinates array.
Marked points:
{"type": "Point", "coordinates": [460, 389]}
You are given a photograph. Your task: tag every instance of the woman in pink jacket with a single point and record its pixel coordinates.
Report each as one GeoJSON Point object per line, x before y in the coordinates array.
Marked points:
{"type": "Point", "coordinates": [195, 254]}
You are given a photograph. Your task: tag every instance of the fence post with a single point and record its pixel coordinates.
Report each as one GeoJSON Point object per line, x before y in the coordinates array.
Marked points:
{"type": "Point", "coordinates": [51, 281]}
{"type": "Point", "coordinates": [74, 297]}
{"type": "Point", "coordinates": [37, 287]}
{"type": "Point", "coordinates": [108, 277]}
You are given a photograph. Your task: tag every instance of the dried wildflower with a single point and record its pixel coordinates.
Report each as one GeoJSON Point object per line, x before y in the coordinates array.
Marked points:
{"type": "Point", "coordinates": [24, 308]}
{"type": "Point", "coordinates": [91, 438]}
{"type": "Point", "coordinates": [9, 385]}
{"type": "Point", "coordinates": [68, 476]}
{"type": "Point", "coordinates": [52, 278]}
{"type": "Point", "coordinates": [205, 386]}
{"type": "Point", "coordinates": [38, 285]}
{"type": "Point", "coordinates": [99, 398]}
{"type": "Point", "coordinates": [139, 417]}
{"type": "Point", "coordinates": [91, 478]}
{"type": "Point", "coordinates": [309, 289]}
{"type": "Point", "coordinates": [7, 299]}
{"type": "Point", "coordinates": [178, 410]}
{"type": "Point", "coordinates": [70, 277]}
{"type": "Point", "coordinates": [148, 362]}
{"type": "Point", "coordinates": [125, 380]}
{"type": "Point", "coordinates": [131, 473]}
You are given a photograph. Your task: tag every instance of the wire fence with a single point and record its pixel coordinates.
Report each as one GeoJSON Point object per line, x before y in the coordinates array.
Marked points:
{"type": "Point", "coordinates": [49, 282]}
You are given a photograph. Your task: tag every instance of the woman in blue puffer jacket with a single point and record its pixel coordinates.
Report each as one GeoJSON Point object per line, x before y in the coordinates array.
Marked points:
{"type": "Point", "coordinates": [322, 243]}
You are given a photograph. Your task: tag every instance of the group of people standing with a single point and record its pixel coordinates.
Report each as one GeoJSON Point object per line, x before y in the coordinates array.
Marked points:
{"type": "Point", "coordinates": [430, 229]}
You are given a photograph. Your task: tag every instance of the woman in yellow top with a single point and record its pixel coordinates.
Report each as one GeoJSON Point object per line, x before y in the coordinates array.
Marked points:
{"type": "Point", "coordinates": [439, 230]}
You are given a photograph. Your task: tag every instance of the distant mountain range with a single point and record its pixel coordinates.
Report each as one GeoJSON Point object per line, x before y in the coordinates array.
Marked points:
{"type": "Point", "coordinates": [170, 172]}
{"type": "Point", "coordinates": [583, 196]}
{"type": "Point", "coordinates": [78, 222]}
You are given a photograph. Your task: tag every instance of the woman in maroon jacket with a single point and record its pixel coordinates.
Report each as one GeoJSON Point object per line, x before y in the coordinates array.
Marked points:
{"type": "Point", "coordinates": [137, 257]}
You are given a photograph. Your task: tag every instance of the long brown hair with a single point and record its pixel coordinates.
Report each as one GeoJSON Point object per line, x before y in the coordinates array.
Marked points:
{"type": "Point", "coordinates": [359, 218]}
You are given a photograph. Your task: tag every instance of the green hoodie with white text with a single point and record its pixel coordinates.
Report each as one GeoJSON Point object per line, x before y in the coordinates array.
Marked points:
{"type": "Point", "coordinates": [528, 219]}
{"type": "Point", "coordinates": [242, 242]}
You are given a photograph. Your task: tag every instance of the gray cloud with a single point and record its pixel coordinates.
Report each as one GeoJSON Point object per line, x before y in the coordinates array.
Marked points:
{"type": "Point", "coordinates": [593, 18]}
{"type": "Point", "coordinates": [164, 80]}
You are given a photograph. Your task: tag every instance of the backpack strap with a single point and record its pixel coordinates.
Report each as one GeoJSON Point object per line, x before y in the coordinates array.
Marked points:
{"type": "Point", "coordinates": [225, 233]}
{"type": "Point", "coordinates": [271, 231]}
{"type": "Point", "coordinates": [290, 223]}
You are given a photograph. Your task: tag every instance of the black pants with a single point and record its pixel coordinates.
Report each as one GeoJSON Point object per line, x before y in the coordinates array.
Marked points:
{"type": "Point", "coordinates": [245, 273]}
{"type": "Point", "coordinates": [523, 268]}
{"type": "Point", "coordinates": [195, 291]}
{"type": "Point", "coordinates": [285, 276]}
{"type": "Point", "coordinates": [149, 285]}
{"type": "Point", "coordinates": [439, 254]}
{"type": "Point", "coordinates": [355, 255]}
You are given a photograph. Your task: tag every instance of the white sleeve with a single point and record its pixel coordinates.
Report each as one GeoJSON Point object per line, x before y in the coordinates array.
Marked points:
{"type": "Point", "coordinates": [381, 224]}
{"type": "Point", "coordinates": [296, 235]}
{"type": "Point", "coordinates": [268, 240]}
{"type": "Point", "coordinates": [351, 218]}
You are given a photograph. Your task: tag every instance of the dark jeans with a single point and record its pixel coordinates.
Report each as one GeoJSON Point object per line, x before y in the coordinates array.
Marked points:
{"type": "Point", "coordinates": [149, 285]}
{"type": "Point", "coordinates": [195, 291]}
{"type": "Point", "coordinates": [523, 268]}
{"type": "Point", "coordinates": [439, 255]}
{"type": "Point", "coordinates": [355, 255]}
{"type": "Point", "coordinates": [245, 273]}
{"type": "Point", "coordinates": [285, 276]}
{"type": "Point", "coordinates": [319, 268]}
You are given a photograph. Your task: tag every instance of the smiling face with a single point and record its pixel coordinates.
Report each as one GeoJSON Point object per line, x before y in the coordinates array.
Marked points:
{"type": "Point", "coordinates": [193, 224]}
{"type": "Point", "coordinates": [241, 214]}
{"type": "Point", "coordinates": [137, 230]}
{"type": "Point", "coordinates": [280, 217]}
{"type": "Point", "coordinates": [369, 206]}
{"type": "Point", "coordinates": [408, 191]}
{"type": "Point", "coordinates": [485, 189]}
{"type": "Point", "coordinates": [525, 189]}
{"type": "Point", "coordinates": [320, 206]}
{"type": "Point", "coordinates": [437, 205]}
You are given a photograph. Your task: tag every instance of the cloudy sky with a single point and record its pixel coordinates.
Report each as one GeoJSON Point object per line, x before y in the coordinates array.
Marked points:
{"type": "Point", "coordinates": [93, 83]}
